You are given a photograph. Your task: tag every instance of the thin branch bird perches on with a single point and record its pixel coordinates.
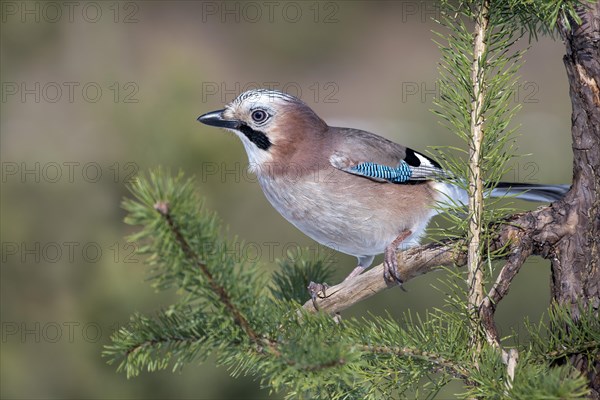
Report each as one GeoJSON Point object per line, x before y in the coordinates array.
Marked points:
{"type": "Point", "coordinates": [535, 230]}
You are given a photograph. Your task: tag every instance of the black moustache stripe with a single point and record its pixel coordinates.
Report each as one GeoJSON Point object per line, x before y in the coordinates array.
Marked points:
{"type": "Point", "coordinates": [257, 137]}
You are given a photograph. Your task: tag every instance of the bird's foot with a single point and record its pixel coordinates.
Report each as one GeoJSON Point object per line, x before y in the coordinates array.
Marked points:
{"type": "Point", "coordinates": [390, 267]}
{"type": "Point", "coordinates": [314, 289]}
{"type": "Point", "coordinates": [390, 260]}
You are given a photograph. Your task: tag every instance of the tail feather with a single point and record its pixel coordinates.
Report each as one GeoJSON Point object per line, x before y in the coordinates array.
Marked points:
{"type": "Point", "coordinates": [530, 192]}
{"type": "Point", "coordinates": [454, 195]}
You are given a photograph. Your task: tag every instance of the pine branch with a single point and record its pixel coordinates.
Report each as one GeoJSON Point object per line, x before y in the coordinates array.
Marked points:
{"type": "Point", "coordinates": [173, 334]}
{"type": "Point", "coordinates": [455, 369]}
{"type": "Point", "coordinates": [567, 333]}
{"type": "Point", "coordinates": [475, 178]}
{"type": "Point", "coordinates": [163, 209]}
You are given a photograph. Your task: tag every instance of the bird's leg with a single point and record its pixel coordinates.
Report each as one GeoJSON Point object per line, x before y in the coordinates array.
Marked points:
{"type": "Point", "coordinates": [390, 261]}
{"type": "Point", "coordinates": [315, 288]}
{"type": "Point", "coordinates": [355, 272]}
{"type": "Point", "coordinates": [363, 263]}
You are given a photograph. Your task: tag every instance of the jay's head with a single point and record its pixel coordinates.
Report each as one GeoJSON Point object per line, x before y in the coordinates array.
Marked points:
{"type": "Point", "coordinates": [272, 125]}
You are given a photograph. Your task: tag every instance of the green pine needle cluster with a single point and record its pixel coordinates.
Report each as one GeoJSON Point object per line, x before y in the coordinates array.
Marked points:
{"type": "Point", "coordinates": [295, 274]}
{"type": "Point", "coordinates": [255, 326]}
{"type": "Point", "coordinates": [499, 80]}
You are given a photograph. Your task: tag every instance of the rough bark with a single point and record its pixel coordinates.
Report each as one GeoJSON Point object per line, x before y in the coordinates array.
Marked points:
{"type": "Point", "coordinates": [576, 257]}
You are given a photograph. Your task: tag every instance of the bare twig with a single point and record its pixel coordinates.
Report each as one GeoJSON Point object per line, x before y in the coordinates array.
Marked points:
{"type": "Point", "coordinates": [510, 358]}
{"type": "Point", "coordinates": [519, 254]}
{"type": "Point", "coordinates": [520, 251]}
{"type": "Point", "coordinates": [411, 263]}
{"type": "Point", "coordinates": [535, 229]}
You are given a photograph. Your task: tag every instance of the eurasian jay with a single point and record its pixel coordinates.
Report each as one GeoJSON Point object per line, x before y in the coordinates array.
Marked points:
{"type": "Point", "coordinates": [348, 189]}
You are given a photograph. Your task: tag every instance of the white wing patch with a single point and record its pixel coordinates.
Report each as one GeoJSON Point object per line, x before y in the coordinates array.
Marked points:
{"type": "Point", "coordinates": [424, 161]}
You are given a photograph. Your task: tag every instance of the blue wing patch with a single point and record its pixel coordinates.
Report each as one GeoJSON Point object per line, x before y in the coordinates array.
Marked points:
{"type": "Point", "coordinates": [416, 167]}
{"type": "Point", "coordinates": [399, 174]}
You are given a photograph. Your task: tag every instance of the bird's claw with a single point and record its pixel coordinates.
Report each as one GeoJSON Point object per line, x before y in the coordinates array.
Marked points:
{"type": "Point", "coordinates": [314, 289]}
{"type": "Point", "coordinates": [390, 269]}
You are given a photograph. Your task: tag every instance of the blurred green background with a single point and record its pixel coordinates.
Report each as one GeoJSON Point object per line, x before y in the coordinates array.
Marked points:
{"type": "Point", "coordinates": [93, 93]}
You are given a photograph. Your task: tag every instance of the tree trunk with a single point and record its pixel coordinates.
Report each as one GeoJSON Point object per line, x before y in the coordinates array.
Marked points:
{"type": "Point", "coordinates": [576, 257]}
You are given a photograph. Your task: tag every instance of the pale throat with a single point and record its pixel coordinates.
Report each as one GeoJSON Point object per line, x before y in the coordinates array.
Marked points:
{"type": "Point", "coordinates": [258, 159]}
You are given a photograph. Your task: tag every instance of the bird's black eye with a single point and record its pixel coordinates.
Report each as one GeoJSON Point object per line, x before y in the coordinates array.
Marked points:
{"type": "Point", "coordinates": [259, 116]}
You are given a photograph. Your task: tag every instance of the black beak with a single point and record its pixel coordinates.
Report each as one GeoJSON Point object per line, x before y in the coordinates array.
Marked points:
{"type": "Point", "coordinates": [215, 118]}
